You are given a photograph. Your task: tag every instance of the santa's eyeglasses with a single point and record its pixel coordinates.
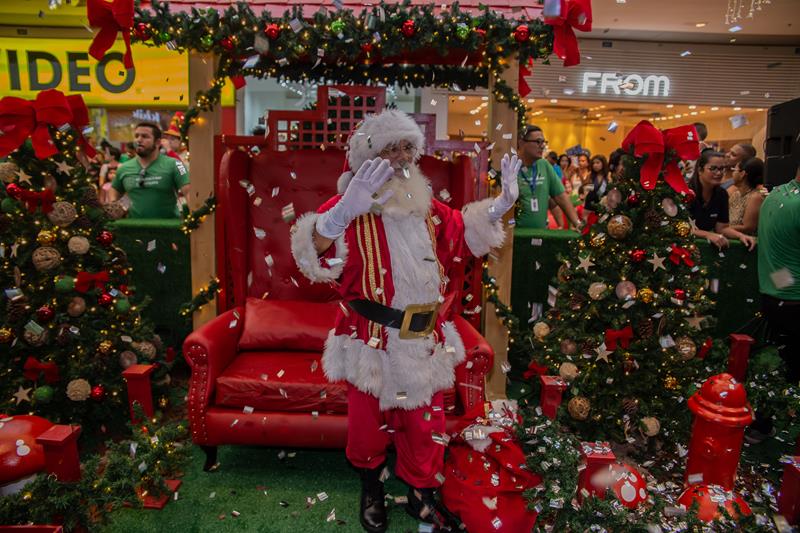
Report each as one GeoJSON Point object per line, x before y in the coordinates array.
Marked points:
{"type": "Point", "coordinates": [397, 149]}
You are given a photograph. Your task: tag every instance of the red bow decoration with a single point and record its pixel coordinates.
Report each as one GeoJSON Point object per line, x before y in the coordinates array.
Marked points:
{"type": "Point", "coordinates": [32, 199]}
{"type": "Point", "coordinates": [80, 119]}
{"type": "Point", "coordinates": [20, 119]}
{"type": "Point", "coordinates": [113, 17]}
{"type": "Point", "coordinates": [646, 139]}
{"type": "Point", "coordinates": [574, 14]}
{"type": "Point", "coordinates": [87, 280]}
{"type": "Point", "coordinates": [591, 219]}
{"type": "Point", "coordinates": [534, 369]}
{"type": "Point", "coordinates": [33, 367]}
{"type": "Point", "coordinates": [679, 254]}
{"type": "Point", "coordinates": [523, 87]}
{"type": "Point", "coordinates": [705, 348]}
{"type": "Point", "coordinates": [623, 336]}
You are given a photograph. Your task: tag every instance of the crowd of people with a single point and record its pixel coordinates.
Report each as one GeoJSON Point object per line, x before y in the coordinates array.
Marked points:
{"type": "Point", "coordinates": [559, 191]}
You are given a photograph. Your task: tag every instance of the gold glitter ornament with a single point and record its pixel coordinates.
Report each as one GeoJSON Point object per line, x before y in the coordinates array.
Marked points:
{"type": "Point", "coordinates": [619, 226]}
{"type": "Point", "coordinates": [683, 228]}
{"type": "Point", "coordinates": [646, 295]}
{"type": "Point", "coordinates": [597, 240]}
{"type": "Point", "coordinates": [105, 347]}
{"type": "Point", "coordinates": [686, 347]}
{"type": "Point", "coordinates": [670, 383]}
{"type": "Point", "coordinates": [579, 408]}
{"type": "Point", "coordinates": [6, 335]}
{"type": "Point", "coordinates": [46, 237]}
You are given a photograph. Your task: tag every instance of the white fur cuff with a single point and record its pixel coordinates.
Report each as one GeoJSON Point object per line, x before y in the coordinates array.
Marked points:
{"type": "Point", "coordinates": [481, 234]}
{"type": "Point", "coordinates": [305, 255]}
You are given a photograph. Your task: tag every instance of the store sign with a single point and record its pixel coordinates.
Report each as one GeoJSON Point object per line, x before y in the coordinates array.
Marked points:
{"type": "Point", "coordinates": [653, 85]}
{"type": "Point", "coordinates": [28, 66]}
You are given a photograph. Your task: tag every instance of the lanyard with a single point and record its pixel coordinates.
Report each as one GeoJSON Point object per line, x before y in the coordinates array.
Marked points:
{"type": "Point", "coordinates": [532, 180]}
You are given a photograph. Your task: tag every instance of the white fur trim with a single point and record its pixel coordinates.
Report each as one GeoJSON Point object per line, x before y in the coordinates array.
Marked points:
{"type": "Point", "coordinates": [377, 132]}
{"type": "Point", "coordinates": [305, 255]}
{"type": "Point", "coordinates": [343, 182]}
{"type": "Point", "coordinates": [405, 375]}
{"type": "Point", "coordinates": [481, 234]}
{"type": "Point", "coordinates": [480, 445]}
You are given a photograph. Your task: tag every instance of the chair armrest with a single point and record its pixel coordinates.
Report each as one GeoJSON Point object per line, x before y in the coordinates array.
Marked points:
{"type": "Point", "coordinates": [470, 375]}
{"type": "Point", "coordinates": [210, 349]}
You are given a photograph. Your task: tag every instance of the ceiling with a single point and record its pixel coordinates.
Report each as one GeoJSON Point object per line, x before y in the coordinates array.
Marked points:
{"type": "Point", "coordinates": [778, 21]}
{"type": "Point", "coordinates": [598, 112]}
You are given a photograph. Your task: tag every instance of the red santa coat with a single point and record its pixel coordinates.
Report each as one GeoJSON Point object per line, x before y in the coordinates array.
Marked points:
{"type": "Point", "coordinates": [396, 264]}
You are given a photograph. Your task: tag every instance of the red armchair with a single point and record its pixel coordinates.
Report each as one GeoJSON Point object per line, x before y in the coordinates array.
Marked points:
{"type": "Point", "coordinates": [256, 371]}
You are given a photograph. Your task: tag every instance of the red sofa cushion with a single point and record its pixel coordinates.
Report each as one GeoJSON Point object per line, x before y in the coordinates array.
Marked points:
{"type": "Point", "coordinates": [286, 325]}
{"type": "Point", "coordinates": [252, 380]}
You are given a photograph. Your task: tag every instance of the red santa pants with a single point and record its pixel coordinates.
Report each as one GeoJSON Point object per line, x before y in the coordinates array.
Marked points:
{"type": "Point", "coordinates": [419, 458]}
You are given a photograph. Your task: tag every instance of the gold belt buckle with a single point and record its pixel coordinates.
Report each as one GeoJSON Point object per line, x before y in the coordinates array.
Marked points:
{"type": "Point", "coordinates": [409, 313]}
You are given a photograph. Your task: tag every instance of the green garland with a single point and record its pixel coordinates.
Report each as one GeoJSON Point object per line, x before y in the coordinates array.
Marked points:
{"type": "Point", "coordinates": [192, 220]}
{"type": "Point", "coordinates": [205, 295]}
{"type": "Point", "coordinates": [130, 467]}
{"type": "Point", "coordinates": [370, 47]}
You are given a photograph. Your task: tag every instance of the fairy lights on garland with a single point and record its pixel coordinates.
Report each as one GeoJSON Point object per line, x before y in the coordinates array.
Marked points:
{"type": "Point", "coordinates": [192, 220]}
{"type": "Point", "coordinates": [204, 296]}
{"type": "Point", "coordinates": [377, 45]}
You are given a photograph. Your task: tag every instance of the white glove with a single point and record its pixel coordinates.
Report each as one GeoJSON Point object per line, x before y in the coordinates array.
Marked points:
{"type": "Point", "coordinates": [358, 199]}
{"type": "Point", "coordinates": [509, 171]}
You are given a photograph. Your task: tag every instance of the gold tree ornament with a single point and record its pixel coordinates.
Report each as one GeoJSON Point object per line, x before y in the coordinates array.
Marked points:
{"type": "Point", "coordinates": [579, 407]}
{"type": "Point", "coordinates": [46, 237]}
{"type": "Point", "coordinates": [619, 227]}
{"type": "Point", "coordinates": [686, 347]}
{"type": "Point", "coordinates": [105, 347]}
{"type": "Point", "coordinates": [683, 228]}
{"type": "Point", "coordinates": [597, 240]}
{"type": "Point", "coordinates": [670, 383]}
{"type": "Point", "coordinates": [646, 295]}
{"type": "Point", "coordinates": [78, 390]}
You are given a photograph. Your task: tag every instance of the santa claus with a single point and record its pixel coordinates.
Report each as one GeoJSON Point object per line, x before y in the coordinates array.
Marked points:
{"type": "Point", "coordinates": [389, 244]}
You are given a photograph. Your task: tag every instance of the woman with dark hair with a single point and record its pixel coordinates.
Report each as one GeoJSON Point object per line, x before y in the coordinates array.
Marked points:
{"type": "Point", "coordinates": [709, 209]}
{"type": "Point", "coordinates": [580, 174]}
{"type": "Point", "coordinates": [598, 182]}
{"type": "Point", "coordinates": [745, 197]}
{"type": "Point", "coordinates": [564, 164]}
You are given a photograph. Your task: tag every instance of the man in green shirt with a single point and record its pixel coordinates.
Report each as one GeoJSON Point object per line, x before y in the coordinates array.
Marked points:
{"type": "Point", "coordinates": [779, 282]}
{"type": "Point", "coordinates": [538, 183]}
{"type": "Point", "coordinates": [153, 181]}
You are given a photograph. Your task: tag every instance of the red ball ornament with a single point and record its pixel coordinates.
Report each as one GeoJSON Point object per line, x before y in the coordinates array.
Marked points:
{"type": "Point", "coordinates": [226, 43]}
{"type": "Point", "coordinates": [141, 31]}
{"type": "Point", "coordinates": [105, 299]}
{"type": "Point", "coordinates": [45, 313]}
{"type": "Point", "coordinates": [105, 238]}
{"type": "Point", "coordinates": [633, 199]}
{"type": "Point", "coordinates": [98, 393]}
{"type": "Point", "coordinates": [638, 255]}
{"type": "Point", "coordinates": [521, 33]}
{"type": "Point", "coordinates": [408, 28]}
{"type": "Point", "coordinates": [689, 196]}
{"type": "Point", "coordinates": [13, 190]}
{"type": "Point", "coordinates": [366, 48]}
{"type": "Point", "coordinates": [680, 294]}
{"type": "Point", "coordinates": [272, 31]}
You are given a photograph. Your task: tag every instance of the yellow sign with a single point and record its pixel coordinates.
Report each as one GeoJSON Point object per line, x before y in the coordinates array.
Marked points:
{"type": "Point", "coordinates": [160, 77]}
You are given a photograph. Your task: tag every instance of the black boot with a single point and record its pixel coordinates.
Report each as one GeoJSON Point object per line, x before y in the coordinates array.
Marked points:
{"type": "Point", "coordinates": [422, 504]}
{"type": "Point", "coordinates": [373, 508]}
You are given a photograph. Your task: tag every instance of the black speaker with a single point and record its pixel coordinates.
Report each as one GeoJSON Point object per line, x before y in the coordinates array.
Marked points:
{"type": "Point", "coordinates": [782, 145]}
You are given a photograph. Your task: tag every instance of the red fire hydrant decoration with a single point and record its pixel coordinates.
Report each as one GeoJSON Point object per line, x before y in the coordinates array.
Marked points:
{"type": "Point", "coordinates": [721, 413]}
{"type": "Point", "coordinates": [712, 499]}
{"type": "Point", "coordinates": [602, 472]}
{"type": "Point", "coordinates": [789, 496]}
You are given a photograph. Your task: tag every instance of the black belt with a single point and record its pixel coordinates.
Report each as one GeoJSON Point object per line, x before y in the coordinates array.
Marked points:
{"type": "Point", "coordinates": [413, 322]}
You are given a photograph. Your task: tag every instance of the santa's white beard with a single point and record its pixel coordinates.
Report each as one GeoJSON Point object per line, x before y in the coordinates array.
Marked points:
{"type": "Point", "coordinates": [412, 195]}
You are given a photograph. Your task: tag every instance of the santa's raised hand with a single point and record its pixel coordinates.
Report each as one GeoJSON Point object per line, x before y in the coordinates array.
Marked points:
{"type": "Point", "coordinates": [509, 170]}
{"type": "Point", "coordinates": [358, 199]}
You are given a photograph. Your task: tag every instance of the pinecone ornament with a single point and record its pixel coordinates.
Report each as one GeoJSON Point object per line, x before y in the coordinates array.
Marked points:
{"type": "Point", "coordinates": [652, 218]}
{"type": "Point", "coordinates": [576, 301]}
{"type": "Point", "coordinates": [17, 309]}
{"type": "Point", "coordinates": [82, 222]}
{"type": "Point", "coordinates": [588, 346]}
{"type": "Point", "coordinates": [630, 406]}
{"type": "Point", "coordinates": [645, 329]}
{"type": "Point", "coordinates": [90, 197]}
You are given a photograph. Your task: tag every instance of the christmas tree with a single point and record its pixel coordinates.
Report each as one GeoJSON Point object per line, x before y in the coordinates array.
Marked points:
{"type": "Point", "coordinates": [69, 323]}
{"type": "Point", "coordinates": [631, 303]}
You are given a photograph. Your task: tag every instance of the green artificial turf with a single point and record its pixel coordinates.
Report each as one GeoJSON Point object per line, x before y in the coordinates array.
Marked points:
{"type": "Point", "coordinates": [246, 473]}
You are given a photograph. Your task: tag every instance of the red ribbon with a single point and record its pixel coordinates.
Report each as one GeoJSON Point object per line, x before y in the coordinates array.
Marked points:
{"type": "Point", "coordinates": [705, 348]}
{"type": "Point", "coordinates": [574, 14]}
{"type": "Point", "coordinates": [80, 119]}
{"type": "Point", "coordinates": [113, 17]}
{"type": "Point", "coordinates": [534, 369]}
{"type": "Point", "coordinates": [32, 199]}
{"type": "Point", "coordinates": [679, 254]}
{"type": "Point", "coordinates": [591, 219]}
{"type": "Point", "coordinates": [646, 139]}
{"type": "Point", "coordinates": [33, 367]}
{"type": "Point", "coordinates": [87, 280]}
{"type": "Point", "coordinates": [623, 336]}
{"type": "Point", "coordinates": [20, 119]}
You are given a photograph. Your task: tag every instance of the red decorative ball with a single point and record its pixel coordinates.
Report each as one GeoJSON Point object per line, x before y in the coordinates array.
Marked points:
{"type": "Point", "coordinates": [689, 196]}
{"type": "Point", "coordinates": [105, 238]}
{"type": "Point", "coordinates": [105, 299]}
{"type": "Point", "coordinates": [98, 393]}
{"type": "Point", "coordinates": [680, 294]}
{"type": "Point", "coordinates": [226, 43]}
{"type": "Point", "coordinates": [45, 313]}
{"type": "Point", "coordinates": [141, 31]}
{"type": "Point", "coordinates": [522, 33]}
{"type": "Point", "coordinates": [408, 28]}
{"type": "Point", "coordinates": [13, 190]}
{"type": "Point", "coordinates": [272, 31]}
{"type": "Point", "coordinates": [633, 200]}
{"type": "Point", "coordinates": [638, 255]}
{"type": "Point", "coordinates": [366, 48]}
{"type": "Point", "coordinates": [123, 289]}
{"type": "Point", "coordinates": [481, 32]}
